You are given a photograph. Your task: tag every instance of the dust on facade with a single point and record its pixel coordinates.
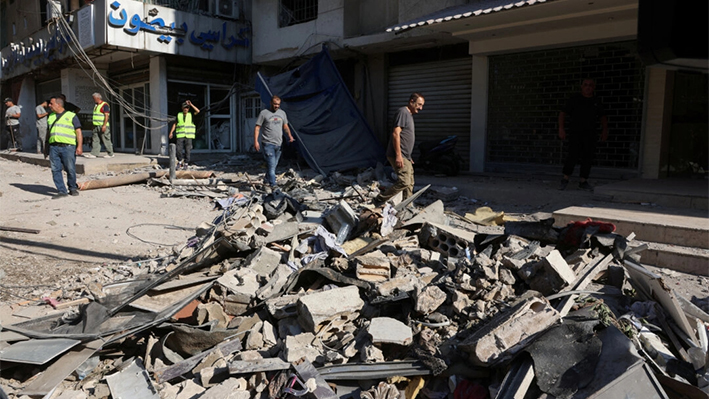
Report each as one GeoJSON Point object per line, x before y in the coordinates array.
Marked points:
{"type": "Point", "coordinates": [494, 74]}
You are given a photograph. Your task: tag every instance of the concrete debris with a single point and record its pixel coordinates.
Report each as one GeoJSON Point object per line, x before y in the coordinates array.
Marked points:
{"type": "Point", "coordinates": [312, 276]}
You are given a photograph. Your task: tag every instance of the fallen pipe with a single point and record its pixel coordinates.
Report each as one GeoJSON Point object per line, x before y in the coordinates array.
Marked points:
{"type": "Point", "coordinates": [142, 177]}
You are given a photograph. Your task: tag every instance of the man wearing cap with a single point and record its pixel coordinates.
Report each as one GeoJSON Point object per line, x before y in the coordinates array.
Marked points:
{"type": "Point", "coordinates": [186, 129]}
{"type": "Point", "coordinates": [12, 122]}
{"type": "Point", "coordinates": [101, 130]}
{"type": "Point", "coordinates": [65, 141]}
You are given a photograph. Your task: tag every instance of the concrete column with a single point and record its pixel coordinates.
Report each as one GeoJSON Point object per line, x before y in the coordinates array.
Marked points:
{"type": "Point", "coordinates": [158, 106]}
{"type": "Point", "coordinates": [657, 121]}
{"type": "Point", "coordinates": [478, 114]}
{"type": "Point", "coordinates": [28, 130]}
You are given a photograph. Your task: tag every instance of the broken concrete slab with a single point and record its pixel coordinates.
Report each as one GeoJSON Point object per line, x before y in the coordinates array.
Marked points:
{"type": "Point", "coordinates": [240, 281]}
{"type": "Point", "coordinates": [407, 283]}
{"type": "Point", "coordinates": [212, 312]}
{"type": "Point", "coordinates": [233, 388]}
{"type": "Point", "coordinates": [264, 261]}
{"type": "Point", "coordinates": [449, 241]}
{"type": "Point", "coordinates": [373, 266]}
{"type": "Point", "coordinates": [434, 213]}
{"type": "Point", "coordinates": [550, 275]}
{"type": "Point", "coordinates": [321, 307]}
{"type": "Point", "coordinates": [510, 331]}
{"type": "Point", "coordinates": [385, 330]}
{"type": "Point", "coordinates": [429, 299]}
{"type": "Point", "coordinates": [304, 345]}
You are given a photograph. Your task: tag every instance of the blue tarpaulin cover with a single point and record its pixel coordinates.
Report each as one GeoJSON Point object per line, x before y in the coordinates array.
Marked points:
{"type": "Point", "coordinates": [330, 131]}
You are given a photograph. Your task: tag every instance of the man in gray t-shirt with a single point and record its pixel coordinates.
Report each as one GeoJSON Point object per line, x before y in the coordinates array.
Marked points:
{"type": "Point", "coordinates": [400, 148]}
{"type": "Point", "coordinates": [41, 111]}
{"type": "Point", "coordinates": [12, 122]}
{"type": "Point", "coordinates": [273, 122]}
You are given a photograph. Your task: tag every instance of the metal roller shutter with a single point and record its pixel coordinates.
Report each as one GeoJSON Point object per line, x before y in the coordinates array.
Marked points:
{"type": "Point", "coordinates": [446, 86]}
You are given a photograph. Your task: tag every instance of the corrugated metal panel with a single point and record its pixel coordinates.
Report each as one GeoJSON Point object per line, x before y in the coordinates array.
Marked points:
{"type": "Point", "coordinates": [446, 86]}
{"type": "Point", "coordinates": [482, 7]}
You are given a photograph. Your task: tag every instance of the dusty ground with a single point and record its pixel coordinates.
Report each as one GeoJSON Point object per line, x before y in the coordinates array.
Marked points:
{"type": "Point", "coordinates": [109, 227]}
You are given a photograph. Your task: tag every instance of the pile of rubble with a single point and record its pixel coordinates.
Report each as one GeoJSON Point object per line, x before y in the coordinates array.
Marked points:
{"type": "Point", "coordinates": [311, 291]}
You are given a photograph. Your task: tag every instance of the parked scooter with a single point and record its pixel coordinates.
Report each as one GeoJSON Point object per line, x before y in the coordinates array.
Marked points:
{"type": "Point", "coordinates": [439, 156]}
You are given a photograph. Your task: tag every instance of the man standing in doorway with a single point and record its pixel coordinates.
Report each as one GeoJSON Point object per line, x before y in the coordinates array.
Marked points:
{"type": "Point", "coordinates": [41, 112]}
{"type": "Point", "coordinates": [186, 130]}
{"type": "Point", "coordinates": [65, 141]}
{"type": "Point", "coordinates": [274, 122]}
{"type": "Point", "coordinates": [12, 122]}
{"type": "Point", "coordinates": [400, 148]}
{"type": "Point", "coordinates": [585, 109]}
{"type": "Point", "coordinates": [101, 130]}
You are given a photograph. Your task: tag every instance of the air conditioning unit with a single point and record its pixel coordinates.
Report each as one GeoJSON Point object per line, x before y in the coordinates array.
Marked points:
{"type": "Point", "coordinates": [227, 8]}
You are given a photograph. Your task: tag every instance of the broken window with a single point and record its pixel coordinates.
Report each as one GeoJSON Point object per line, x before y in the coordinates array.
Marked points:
{"type": "Point", "coordinates": [293, 12]}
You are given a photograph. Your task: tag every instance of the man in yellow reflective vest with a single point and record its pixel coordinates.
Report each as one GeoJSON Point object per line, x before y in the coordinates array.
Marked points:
{"type": "Point", "coordinates": [185, 130]}
{"type": "Point", "coordinates": [64, 141]}
{"type": "Point", "coordinates": [101, 130]}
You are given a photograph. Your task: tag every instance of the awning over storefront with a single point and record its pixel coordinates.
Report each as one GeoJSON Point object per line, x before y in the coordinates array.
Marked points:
{"type": "Point", "coordinates": [332, 133]}
{"type": "Point", "coordinates": [476, 8]}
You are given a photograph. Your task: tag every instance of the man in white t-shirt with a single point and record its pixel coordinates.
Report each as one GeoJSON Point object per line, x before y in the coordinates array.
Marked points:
{"type": "Point", "coordinates": [12, 123]}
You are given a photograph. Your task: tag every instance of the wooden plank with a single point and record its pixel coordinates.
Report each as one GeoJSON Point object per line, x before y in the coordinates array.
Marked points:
{"type": "Point", "coordinates": [19, 230]}
{"type": "Point", "coordinates": [185, 366]}
{"type": "Point", "coordinates": [60, 369]}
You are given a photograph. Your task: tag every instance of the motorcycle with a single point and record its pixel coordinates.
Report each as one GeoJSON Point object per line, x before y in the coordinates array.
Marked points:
{"type": "Point", "coordinates": [439, 156]}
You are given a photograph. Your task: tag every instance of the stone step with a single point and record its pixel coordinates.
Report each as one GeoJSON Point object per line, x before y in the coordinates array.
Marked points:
{"type": "Point", "coordinates": [686, 231]}
{"type": "Point", "coordinates": [675, 193]}
{"type": "Point", "coordinates": [675, 257]}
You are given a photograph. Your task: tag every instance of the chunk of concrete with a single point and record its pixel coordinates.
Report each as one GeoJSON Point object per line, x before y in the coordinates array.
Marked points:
{"type": "Point", "coordinates": [233, 388]}
{"type": "Point", "coordinates": [385, 330]}
{"type": "Point", "coordinates": [207, 312]}
{"type": "Point", "coordinates": [240, 281]}
{"type": "Point", "coordinates": [276, 282]}
{"type": "Point", "coordinates": [264, 261]}
{"type": "Point", "coordinates": [429, 299]}
{"type": "Point", "coordinates": [282, 306]}
{"type": "Point", "coordinates": [434, 213]}
{"type": "Point", "coordinates": [320, 307]}
{"type": "Point", "coordinates": [551, 274]}
{"type": "Point", "coordinates": [373, 266]}
{"type": "Point", "coordinates": [406, 283]}
{"type": "Point", "coordinates": [510, 331]}
{"type": "Point", "coordinates": [302, 345]}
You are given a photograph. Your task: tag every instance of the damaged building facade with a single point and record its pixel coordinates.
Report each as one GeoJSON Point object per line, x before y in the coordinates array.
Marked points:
{"type": "Point", "coordinates": [146, 58]}
{"type": "Point", "coordinates": [496, 73]}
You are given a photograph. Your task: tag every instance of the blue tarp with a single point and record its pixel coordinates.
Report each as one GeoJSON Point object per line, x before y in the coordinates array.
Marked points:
{"type": "Point", "coordinates": [331, 133]}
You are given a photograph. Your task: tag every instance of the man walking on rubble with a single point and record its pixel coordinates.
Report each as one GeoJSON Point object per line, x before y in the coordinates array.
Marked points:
{"type": "Point", "coordinates": [274, 122]}
{"type": "Point", "coordinates": [400, 148]}
{"type": "Point", "coordinates": [65, 141]}
{"type": "Point", "coordinates": [585, 109]}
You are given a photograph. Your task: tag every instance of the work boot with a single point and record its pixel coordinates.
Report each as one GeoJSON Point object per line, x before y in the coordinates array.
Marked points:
{"type": "Point", "coordinates": [74, 193]}
{"type": "Point", "coordinates": [60, 195]}
{"type": "Point", "coordinates": [563, 184]}
{"type": "Point", "coordinates": [585, 186]}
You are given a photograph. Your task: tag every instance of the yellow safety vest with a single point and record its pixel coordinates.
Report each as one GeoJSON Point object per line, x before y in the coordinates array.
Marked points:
{"type": "Point", "coordinates": [98, 115]}
{"type": "Point", "coordinates": [63, 130]}
{"type": "Point", "coordinates": [185, 127]}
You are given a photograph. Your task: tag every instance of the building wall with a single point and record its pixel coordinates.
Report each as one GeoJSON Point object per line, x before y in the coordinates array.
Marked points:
{"type": "Point", "coordinates": [527, 90]}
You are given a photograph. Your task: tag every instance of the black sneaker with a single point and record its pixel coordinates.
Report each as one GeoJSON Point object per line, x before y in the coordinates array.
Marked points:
{"type": "Point", "coordinates": [563, 184]}
{"type": "Point", "coordinates": [585, 186]}
{"type": "Point", "coordinates": [74, 193]}
{"type": "Point", "coordinates": [60, 195]}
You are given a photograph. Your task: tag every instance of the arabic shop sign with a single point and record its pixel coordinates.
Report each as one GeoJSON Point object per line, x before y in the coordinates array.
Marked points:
{"type": "Point", "coordinates": [38, 51]}
{"type": "Point", "coordinates": [180, 29]}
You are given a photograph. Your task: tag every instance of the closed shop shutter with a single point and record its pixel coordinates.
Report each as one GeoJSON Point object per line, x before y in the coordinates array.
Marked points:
{"type": "Point", "coordinates": [446, 87]}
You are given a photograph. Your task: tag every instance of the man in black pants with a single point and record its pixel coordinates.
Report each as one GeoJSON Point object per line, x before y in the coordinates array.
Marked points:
{"type": "Point", "coordinates": [584, 109]}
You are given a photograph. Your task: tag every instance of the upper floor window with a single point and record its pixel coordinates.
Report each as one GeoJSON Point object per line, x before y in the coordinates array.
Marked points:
{"type": "Point", "coordinates": [293, 12]}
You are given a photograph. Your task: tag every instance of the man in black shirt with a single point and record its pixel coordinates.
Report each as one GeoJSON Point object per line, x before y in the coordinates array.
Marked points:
{"type": "Point", "coordinates": [585, 110]}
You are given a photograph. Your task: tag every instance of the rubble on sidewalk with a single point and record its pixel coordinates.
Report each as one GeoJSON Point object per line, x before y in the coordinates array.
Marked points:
{"type": "Point", "coordinates": [311, 291]}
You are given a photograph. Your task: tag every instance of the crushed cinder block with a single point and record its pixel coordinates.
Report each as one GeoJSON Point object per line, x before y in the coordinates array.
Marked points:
{"type": "Point", "coordinates": [385, 330]}
{"type": "Point", "coordinates": [264, 261]}
{"type": "Point", "coordinates": [373, 266]}
{"type": "Point", "coordinates": [323, 306]}
{"type": "Point", "coordinates": [429, 299]}
{"type": "Point", "coordinates": [510, 331]}
{"type": "Point", "coordinates": [551, 274]}
{"type": "Point", "coordinates": [447, 240]}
